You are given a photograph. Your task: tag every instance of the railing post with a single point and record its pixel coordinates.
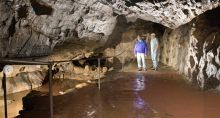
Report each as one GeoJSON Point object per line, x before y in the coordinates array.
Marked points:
{"type": "Point", "coordinates": [5, 94]}
{"type": "Point", "coordinates": [123, 62]}
{"type": "Point", "coordinates": [99, 71]}
{"type": "Point", "coordinates": [51, 90]}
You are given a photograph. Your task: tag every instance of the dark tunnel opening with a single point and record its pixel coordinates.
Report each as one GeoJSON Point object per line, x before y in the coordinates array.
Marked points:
{"type": "Point", "coordinates": [12, 27]}
{"type": "Point", "coordinates": [159, 27]}
{"type": "Point", "coordinates": [213, 17]}
{"type": "Point", "coordinates": [22, 12]}
{"type": "Point", "coordinates": [41, 9]}
{"type": "Point", "coordinates": [91, 61]}
{"type": "Point", "coordinates": [133, 2]}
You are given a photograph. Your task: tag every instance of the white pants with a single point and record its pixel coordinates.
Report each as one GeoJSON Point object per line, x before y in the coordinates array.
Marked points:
{"type": "Point", "coordinates": [141, 56]}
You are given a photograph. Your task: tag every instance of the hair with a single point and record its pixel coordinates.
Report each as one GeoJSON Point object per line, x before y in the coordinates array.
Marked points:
{"type": "Point", "coordinates": [138, 36]}
{"type": "Point", "coordinates": [153, 34]}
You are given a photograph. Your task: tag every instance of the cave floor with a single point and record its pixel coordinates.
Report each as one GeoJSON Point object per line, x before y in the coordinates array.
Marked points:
{"type": "Point", "coordinates": [132, 94]}
{"type": "Point", "coordinates": [148, 94]}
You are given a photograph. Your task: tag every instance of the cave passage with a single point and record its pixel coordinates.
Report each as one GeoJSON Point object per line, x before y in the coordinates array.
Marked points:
{"type": "Point", "coordinates": [186, 83]}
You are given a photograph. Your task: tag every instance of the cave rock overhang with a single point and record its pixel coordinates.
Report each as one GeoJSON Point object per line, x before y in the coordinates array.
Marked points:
{"type": "Point", "coordinates": [169, 13]}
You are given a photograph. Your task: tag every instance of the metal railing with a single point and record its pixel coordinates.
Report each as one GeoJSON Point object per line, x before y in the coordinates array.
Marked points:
{"type": "Point", "coordinates": [25, 62]}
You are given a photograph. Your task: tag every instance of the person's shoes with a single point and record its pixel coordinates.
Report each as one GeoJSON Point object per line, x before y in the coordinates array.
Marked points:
{"type": "Point", "coordinates": [156, 68]}
{"type": "Point", "coordinates": [153, 68]}
{"type": "Point", "coordinates": [145, 69]}
{"type": "Point", "coordinates": [139, 69]}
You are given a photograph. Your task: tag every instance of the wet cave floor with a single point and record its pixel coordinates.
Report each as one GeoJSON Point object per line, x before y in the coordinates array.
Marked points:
{"type": "Point", "coordinates": [132, 94]}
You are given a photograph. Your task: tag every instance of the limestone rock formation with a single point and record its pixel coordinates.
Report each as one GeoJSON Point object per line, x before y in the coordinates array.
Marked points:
{"type": "Point", "coordinates": [24, 77]}
{"type": "Point", "coordinates": [68, 70]}
{"type": "Point", "coordinates": [193, 50]}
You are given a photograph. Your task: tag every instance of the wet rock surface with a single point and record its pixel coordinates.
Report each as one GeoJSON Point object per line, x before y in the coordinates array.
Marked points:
{"type": "Point", "coordinates": [162, 94]}
{"type": "Point", "coordinates": [8, 102]}
{"type": "Point", "coordinates": [15, 106]}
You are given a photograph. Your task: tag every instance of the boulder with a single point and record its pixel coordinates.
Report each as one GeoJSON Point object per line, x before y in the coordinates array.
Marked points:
{"type": "Point", "coordinates": [78, 70]}
{"type": "Point", "coordinates": [23, 81]}
{"type": "Point", "coordinates": [104, 69]}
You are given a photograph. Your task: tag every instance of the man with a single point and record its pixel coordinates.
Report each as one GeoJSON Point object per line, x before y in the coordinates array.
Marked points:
{"type": "Point", "coordinates": [140, 51]}
{"type": "Point", "coordinates": [154, 44]}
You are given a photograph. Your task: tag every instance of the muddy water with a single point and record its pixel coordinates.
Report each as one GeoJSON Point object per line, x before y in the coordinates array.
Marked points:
{"type": "Point", "coordinates": [14, 107]}
{"type": "Point", "coordinates": [132, 94]}
{"type": "Point", "coordinates": [161, 94]}
{"type": "Point", "coordinates": [116, 99]}
{"type": "Point", "coordinates": [144, 95]}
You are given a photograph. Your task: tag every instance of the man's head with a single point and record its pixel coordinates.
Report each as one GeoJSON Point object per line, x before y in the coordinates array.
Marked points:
{"type": "Point", "coordinates": [139, 38]}
{"type": "Point", "coordinates": [152, 36]}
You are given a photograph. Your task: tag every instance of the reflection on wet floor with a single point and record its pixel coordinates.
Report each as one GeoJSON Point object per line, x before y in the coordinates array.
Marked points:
{"type": "Point", "coordinates": [132, 94]}
{"type": "Point", "coordinates": [139, 83]}
{"type": "Point", "coordinates": [139, 104]}
{"type": "Point", "coordinates": [141, 107]}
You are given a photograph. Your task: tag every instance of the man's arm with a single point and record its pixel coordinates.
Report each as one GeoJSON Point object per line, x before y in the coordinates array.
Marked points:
{"type": "Point", "coordinates": [156, 48]}
{"type": "Point", "coordinates": [146, 50]}
{"type": "Point", "coordinates": [135, 52]}
{"type": "Point", "coordinates": [157, 42]}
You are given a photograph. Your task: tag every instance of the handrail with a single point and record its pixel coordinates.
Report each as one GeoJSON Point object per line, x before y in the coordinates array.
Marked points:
{"type": "Point", "coordinates": [19, 62]}
{"type": "Point", "coordinates": [89, 58]}
{"type": "Point", "coordinates": [27, 62]}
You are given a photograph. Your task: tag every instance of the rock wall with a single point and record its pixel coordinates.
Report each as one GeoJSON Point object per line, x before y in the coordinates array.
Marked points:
{"type": "Point", "coordinates": [81, 71]}
{"type": "Point", "coordinates": [174, 47]}
{"type": "Point", "coordinates": [193, 50]}
{"type": "Point", "coordinates": [24, 77]}
{"type": "Point", "coordinates": [34, 27]}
